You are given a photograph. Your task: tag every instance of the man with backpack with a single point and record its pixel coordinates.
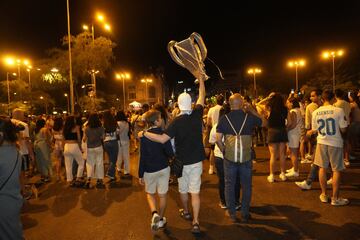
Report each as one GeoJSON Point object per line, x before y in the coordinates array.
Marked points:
{"type": "Point", "coordinates": [234, 138]}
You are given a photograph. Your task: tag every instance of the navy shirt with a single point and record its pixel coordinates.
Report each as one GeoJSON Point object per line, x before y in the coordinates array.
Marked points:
{"type": "Point", "coordinates": [237, 118]}
{"type": "Point", "coordinates": [187, 131]}
{"type": "Point", "coordinates": [153, 156]}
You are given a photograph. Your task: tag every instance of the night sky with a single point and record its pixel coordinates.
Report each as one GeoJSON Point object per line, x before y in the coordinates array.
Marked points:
{"type": "Point", "coordinates": [265, 33]}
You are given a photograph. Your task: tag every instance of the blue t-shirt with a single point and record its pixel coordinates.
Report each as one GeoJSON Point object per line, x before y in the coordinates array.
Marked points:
{"type": "Point", "coordinates": [237, 118]}
{"type": "Point", "coordinates": [153, 155]}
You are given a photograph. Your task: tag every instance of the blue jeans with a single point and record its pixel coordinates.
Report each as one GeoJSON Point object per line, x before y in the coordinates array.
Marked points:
{"type": "Point", "coordinates": [232, 171]}
{"type": "Point", "coordinates": [314, 170]}
{"type": "Point", "coordinates": [112, 149]}
{"type": "Point", "coordinates": [219, 164]}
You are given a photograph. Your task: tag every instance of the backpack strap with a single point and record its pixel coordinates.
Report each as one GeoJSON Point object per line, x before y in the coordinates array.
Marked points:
{"type": "Point", "coordinates": [237, 136]}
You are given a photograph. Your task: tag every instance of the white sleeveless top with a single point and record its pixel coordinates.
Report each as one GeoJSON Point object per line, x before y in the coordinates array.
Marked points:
{"type": "Point", "coordinates": [299, 122]}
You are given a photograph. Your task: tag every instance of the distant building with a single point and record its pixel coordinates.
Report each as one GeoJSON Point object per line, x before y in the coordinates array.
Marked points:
{"type": "Point", "coordinates": [157, 90]}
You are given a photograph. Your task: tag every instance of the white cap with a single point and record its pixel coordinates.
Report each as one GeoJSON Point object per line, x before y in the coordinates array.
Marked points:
{"type": "Point", "coordinates": [184, 101]}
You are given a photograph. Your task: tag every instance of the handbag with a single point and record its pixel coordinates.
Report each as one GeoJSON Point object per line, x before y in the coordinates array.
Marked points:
{"type": "Point", "coordinates": [176, 167]}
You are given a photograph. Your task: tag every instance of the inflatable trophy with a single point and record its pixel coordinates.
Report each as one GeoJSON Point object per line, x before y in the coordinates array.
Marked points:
{"type": "Point", "coordinates": [190, 54]}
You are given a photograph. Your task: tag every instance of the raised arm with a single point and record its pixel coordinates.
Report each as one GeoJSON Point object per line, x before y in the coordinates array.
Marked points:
{"type": "Point", "coordinates": [201, 98]}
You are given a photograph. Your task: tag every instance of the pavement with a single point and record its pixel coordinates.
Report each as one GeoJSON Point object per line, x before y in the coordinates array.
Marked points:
{"type": "Point", "coordinates": [279, 210]}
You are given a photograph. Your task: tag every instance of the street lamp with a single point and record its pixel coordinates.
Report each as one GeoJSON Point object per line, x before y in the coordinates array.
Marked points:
{"type": "Point", "coordinates": [99, 18]}
{"type": "Point", "coordinates": [45, 103]}
{"type": "Point", "coordinates": [70, 65]}
{"type": "Point", "coordinates": [146, 81]}
{"type": "Point", "coordinates": [296, 64]}
{"type": "Point", "coordinates": [332, 54]}
{"type": "Point", "coordinates": [254, 71]}
{"type": "Point", "coordinates": [123, 76]}
{"type": "Point", "coordinates": [8, 89]}
{"type": "Point", "coordinates": [30, 89]}
{"type": "Point", "coordinates": [68, 101]}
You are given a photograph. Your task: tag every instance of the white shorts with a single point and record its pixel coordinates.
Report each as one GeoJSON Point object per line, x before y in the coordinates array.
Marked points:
{"type": "Point", "coordinates": [190, 181]}
{"type": "Point", "coordinates": [157, 181]}
{"type": "Point", "coordinates": [294, 140]}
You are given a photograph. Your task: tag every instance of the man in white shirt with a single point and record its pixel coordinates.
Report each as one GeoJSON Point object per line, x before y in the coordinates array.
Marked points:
{"type": "Point", "coordinates": [315, 97]}
{"type": "Point", "coordinates": [212, 119]}
{"type": "Point", "coordinates": [345, 106]}
{"type": "Point", "coordinates": [329, 122]}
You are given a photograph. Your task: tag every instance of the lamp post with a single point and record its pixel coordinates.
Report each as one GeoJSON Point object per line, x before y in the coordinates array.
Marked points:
{"type": "Point", "coordinates": [254, 71]}
{"type": "Point", "coordinates": [123, 76]}
{"type": "Point", "coordinates": [30, 88]}
{"type": "Point", "coordinates": [296, 64]}
{"type": "Point", "coordinates": [99, 18]}
{"type": "Point", "coordinates": [70, 65]}
{"type": "Point", "coordinates": [8, 89]}
{"type": "Point", "coordinates": [332, 54]}
{"type": "Point", "coordinates": [45, 103]}
{"type": "Point", "coordinates": [68, 102]}
{"type": "Point", "coordinates": [146, 81]}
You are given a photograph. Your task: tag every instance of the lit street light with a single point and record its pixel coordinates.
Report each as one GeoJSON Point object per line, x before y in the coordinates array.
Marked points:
{"type": "Point", "coordinates": [68, 101]}
{"type": "Point", "coordinates": [254, 71]}
{"type": "Point", "coordinates": [100, 18]}
{"type": "Point", "coordinates": [45, 103]}
{"type": "Point", "coordinates": [70, 65]}
{"type": "Point", "coordinates": [123, 76]}
{"type": "Point", "coordinates": [30, 89]}
{"type": "Point", "coordinates": [146, 81]}
{"type": "Point", "coordinates": [296, 64]}
{"type": "Point", "coordinates": [332, 54]}
{"type": "Point", "coordinates": [8, 89]}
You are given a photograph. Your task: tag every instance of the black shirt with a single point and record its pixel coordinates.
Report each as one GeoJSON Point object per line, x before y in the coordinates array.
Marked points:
{"type": "Point", "coordinates": [277, 118]}
{"type": "Point", "coordinates": [237, 118]}
{"type": "Point", "coordinates": [187, 130]}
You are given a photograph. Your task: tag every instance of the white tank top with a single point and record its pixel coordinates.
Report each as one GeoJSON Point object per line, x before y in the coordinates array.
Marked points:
{"type": "Point", "coordinates": [299, 122]}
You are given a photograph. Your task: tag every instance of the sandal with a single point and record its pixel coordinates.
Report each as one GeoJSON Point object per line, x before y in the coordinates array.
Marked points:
{"type": "Point", "coordinates": [195, 229]}
{"type": "Point", "coordinates": [185, 215]}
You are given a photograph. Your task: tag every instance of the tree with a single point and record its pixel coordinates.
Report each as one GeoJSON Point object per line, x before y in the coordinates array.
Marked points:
{"type": "Point", "coordinates": [345, 79]}
{"type": "Point", "coordinates": [86, 56]}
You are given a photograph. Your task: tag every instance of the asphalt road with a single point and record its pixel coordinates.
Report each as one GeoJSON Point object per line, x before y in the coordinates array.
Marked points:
{"type": "Point", "coordinates": [280, 211]}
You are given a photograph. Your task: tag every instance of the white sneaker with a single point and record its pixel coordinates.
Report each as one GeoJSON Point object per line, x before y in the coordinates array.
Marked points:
{"type": "Point", "coordinates": [346, 162]}
{"type": "Point", "coordinates": [271, 178]}
{"type": "Point", "coordinates": [324, 198]}
{"type": "Point", "coordinates": [305, 160]}
{"type": "Point", "coordinates": [308, 156]}
{"type": "Point", "coordinates": [162, 223]}
{"type": "Point", "coordinates": [292, 174]}
{"type": "Point", "coordinates": [282, 176]}
{"type": "Point", "coordinates": [329, 182]}
{"type": "Point", "coordinates": [290, 170]}
{"type": "Point", "coordinates": [303, 185]}
{"type": "Point", "coordinates": [155, 221]}
{"type": "Point", "coordinates": [339, 201]}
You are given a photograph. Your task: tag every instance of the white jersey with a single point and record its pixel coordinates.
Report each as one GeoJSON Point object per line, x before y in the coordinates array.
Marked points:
{"type": "Point", "coordinates": [328, 120]}
{"type": "Point", "coordinates": [299, 122]}
{"type": "Point", "coordinates": [214, 114]}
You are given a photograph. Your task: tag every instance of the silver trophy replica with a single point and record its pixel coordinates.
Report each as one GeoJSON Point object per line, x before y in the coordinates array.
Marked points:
{"type": "Point", "coordinates": [190, 54]}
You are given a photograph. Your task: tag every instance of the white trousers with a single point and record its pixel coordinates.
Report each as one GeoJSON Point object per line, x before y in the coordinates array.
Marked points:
{"type": "Point", "coordinates": [95, 159]}
{"type": "Point", "coordinates": [123, 155]}
{"type": "Point", "coordinates": [72, 151]}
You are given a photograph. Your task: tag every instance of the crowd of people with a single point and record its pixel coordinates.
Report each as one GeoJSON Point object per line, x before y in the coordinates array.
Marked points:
{"type": "Point", "coordinates": [322, 130]}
